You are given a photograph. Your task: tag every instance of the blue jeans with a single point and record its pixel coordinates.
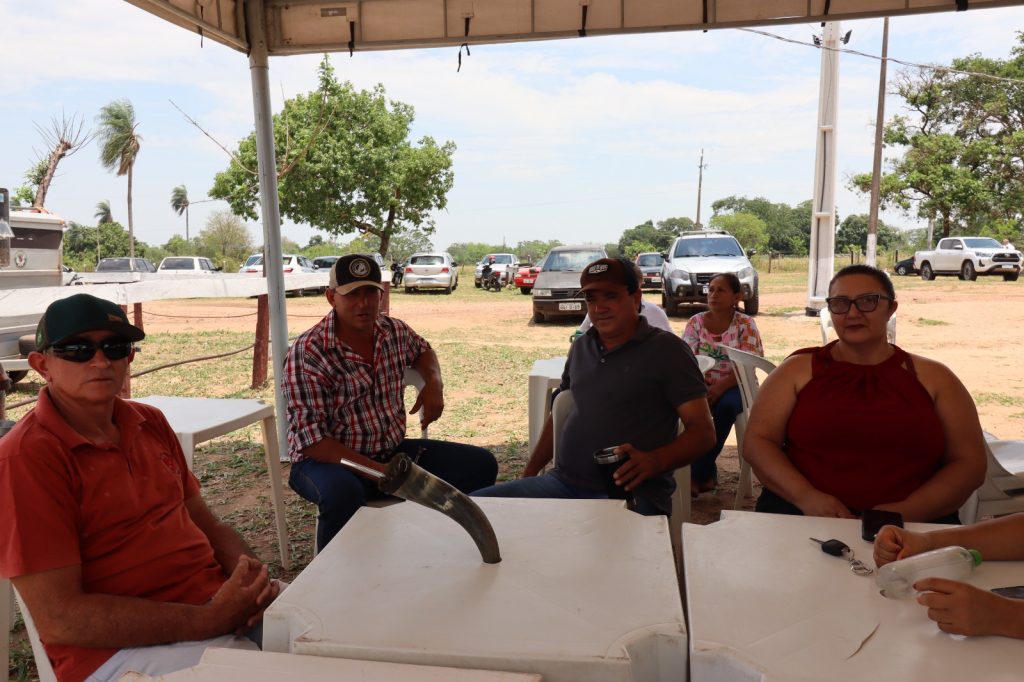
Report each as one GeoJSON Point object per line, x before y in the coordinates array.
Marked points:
{"type": "Point", "coordinates": [550, 485]}
{"type": "Point", "coordinates": [724, 414]}
{"type": "Point", "coordinates": [338, 492]}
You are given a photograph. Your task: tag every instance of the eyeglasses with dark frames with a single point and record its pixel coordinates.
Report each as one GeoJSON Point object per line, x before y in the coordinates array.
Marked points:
{"type": "Point", "coordinates": [80, 350]}
{"type": "Point", "coordinates": [866, 303]}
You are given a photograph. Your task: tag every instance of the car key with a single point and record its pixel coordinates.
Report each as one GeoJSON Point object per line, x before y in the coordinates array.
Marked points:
{"type": "Point", "coordinates": [842, 550]}
{"type": "Point", "coordinates": [833, 547]}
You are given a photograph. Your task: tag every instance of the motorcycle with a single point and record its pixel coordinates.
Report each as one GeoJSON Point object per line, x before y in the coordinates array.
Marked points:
{"type": "Point", "coordinates": [490, 279]}
{"type": "Point", "coordinates": [397, 270]}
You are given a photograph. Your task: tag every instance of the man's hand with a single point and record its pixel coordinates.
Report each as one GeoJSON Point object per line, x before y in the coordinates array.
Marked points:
{"type": "Point", "coordinates": [246, 593]}
{"type": "Point", "coordinates": [818, 503]}
{"type": "Point", "coordinates": [714, 394]}
{"type": "Point", "coordinates": [638, 468]}
{"type": "Point", "coordinates": [893, 543]}
{"type": "Point", "coordinates": [431, 399]}
{"type": "Point", "coordinates": [962, 609]}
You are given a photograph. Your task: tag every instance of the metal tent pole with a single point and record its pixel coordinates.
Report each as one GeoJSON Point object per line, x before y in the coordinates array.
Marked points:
{"type": "Point", "coordinates": [259, 71]}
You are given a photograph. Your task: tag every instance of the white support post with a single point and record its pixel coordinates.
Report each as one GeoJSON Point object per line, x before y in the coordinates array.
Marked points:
{"type": "Point", "coordinates": [823, 218]}
{"type": "Point", "coordinates": [259, 71]}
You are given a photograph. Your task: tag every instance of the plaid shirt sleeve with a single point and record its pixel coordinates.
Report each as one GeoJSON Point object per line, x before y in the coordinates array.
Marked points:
{"type": "Point", "coordinates": [412, 343]}
{"type": "Point", "coordinates": [307, 393]}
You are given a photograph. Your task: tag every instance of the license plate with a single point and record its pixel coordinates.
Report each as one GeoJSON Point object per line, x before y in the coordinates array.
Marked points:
{"type": "Point", "coordinates": [528, 281]}
{"type": "Point", "coordinates": [570, 306]}
{"type": "Point", "coordinates": [704, 290]}
{"type": "Point", "coordinates": [655, 279]}
{"type": "Point", "coordinates": [1009, 267]}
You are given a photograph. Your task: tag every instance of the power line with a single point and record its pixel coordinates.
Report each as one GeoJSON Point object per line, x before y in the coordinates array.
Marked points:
{"type": "Point", "coordinates": [903, 62]}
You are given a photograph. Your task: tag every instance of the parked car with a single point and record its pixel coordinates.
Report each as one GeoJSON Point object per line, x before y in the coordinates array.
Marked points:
{"type": "Point", "coordinates": [507, 263]}
{"type": "Point", "coordinates": [968, 257]}
{"type": "Point", "coordinates": [187, 265]}
{"type": "Point", "coordinates": [526, 275]}
{"type": "Point", "coordinates": [696, 257]}
{"type": "Point", "coordinates": [431, 270]}
{"type": "Point", "coordinates": [291, 263]}
{"type": "Point", "coordinates": [556, 293]}
{"type": "Point", "coordinates": [905, 267]}
{"type": "Point", "coordinates": [327, 262]}
{"type": "Point", "coordinates": [650, 266]}
{"type": "Point", "coordinates": [125, 265]}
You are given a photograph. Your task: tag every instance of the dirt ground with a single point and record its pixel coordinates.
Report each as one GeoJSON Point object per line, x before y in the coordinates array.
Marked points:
{"type": "Point", "coordinates": [972, 327]}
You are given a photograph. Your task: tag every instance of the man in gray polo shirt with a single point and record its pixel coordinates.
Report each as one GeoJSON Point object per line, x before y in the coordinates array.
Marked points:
{"type": "Point", "coordinates": [632, 384]}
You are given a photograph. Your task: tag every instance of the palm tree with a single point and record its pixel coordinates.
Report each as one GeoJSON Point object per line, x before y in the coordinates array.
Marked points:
{"type": "Point", "coordinates": [103, 213]}
{"type": "Point", "coordinates": [119, 145]}
{"type": "Point", "coordinates": [179, 204]}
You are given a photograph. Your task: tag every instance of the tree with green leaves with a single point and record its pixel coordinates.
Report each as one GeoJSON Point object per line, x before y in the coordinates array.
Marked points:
{"type": "Point", "coordinates": [533, 250]}
{"type": "Point", "coordinates": [650, 237]}
{"type": "Point", "coordinates": [853, 234]}
{"type": "Point", "coordinates": [788, 227]}
{"type": "Point", "coordinates": [225, 237]}
{"type": "Point", "coordinates": [750, 231]}
{"type": "Point", "coordinates": [180, 204]}
{"type": "Point", "coordinates": [346, 164]}
{"type": "Point", "coordinates": [84, 245]}
{"type": "Point", "coordinates": [959, 146]}
{"type": "Point", "coordinates": [119, 147]}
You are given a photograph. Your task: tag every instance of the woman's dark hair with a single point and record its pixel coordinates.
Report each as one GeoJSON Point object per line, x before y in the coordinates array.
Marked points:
{"type": "Point", "coordinates": [731, 278]}
{"type": "Point", "coordinates": [870, 271]}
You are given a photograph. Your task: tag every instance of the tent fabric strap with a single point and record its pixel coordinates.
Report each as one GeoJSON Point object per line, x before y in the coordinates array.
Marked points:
{"type": "Point", "coordinates": [200, 7]}
{"type": "Point", "coordinates": [351, 37]}
{"type": "Point", "coordinates": [828, 5]}
{"type": "Point", "coordinates": [961, 5]}
{"type": "Point", "coordinates": [583, 24]}
{"type": "Point", "coordinates": [464, 45]}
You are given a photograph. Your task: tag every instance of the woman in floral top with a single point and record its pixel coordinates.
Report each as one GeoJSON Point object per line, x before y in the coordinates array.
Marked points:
{"type": "Point", "coordinates": [710, 333]}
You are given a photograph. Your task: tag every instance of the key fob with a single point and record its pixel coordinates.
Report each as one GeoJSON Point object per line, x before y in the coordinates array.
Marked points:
{"type": "Point", "coordinates": [834, 547]}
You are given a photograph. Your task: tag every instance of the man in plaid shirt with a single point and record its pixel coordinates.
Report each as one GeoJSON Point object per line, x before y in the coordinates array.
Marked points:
{"type": "Point", "coordinates": [343, 384]}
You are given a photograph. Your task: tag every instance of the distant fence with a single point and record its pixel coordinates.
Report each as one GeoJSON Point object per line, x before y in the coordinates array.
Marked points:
{"type": "Point", "coordinates": [778, 262]}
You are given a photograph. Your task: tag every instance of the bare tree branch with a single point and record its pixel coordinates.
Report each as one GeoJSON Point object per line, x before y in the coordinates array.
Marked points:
{"type": "Point", "coordinates": [227, 151]}
{"type": "Point", "coordinates": [63, 138]}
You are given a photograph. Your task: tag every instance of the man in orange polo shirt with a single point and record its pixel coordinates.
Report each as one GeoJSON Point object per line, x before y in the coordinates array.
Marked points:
{"type": "Point", "coordinates": [107, 538]}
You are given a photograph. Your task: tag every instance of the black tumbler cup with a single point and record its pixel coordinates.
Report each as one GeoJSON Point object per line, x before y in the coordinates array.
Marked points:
{"type": "Point", "coordinates": [608, 462]}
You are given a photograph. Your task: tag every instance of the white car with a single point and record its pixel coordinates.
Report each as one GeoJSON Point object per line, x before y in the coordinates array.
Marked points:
{"type": "Point", "coordinates": [431, 270]}
{"type": "Point", "coordinates": [291, 264]}
{"type": "Point", "coordinates": [187, 265]}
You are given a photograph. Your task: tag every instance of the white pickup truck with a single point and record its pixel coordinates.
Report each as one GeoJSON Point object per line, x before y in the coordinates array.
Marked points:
{"type": "Point", "coordinates": [968, 257]}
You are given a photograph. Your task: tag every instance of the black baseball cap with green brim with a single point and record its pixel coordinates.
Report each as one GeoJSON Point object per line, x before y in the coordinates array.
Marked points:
{"type": "Point", "coordinates": [69, 317]}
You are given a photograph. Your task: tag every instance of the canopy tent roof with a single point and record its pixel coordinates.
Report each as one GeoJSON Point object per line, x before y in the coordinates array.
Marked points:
{"type": "Point", "coordinates": [312, 26]}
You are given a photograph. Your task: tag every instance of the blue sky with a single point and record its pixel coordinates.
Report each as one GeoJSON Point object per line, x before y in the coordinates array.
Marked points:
{"type": "Point", "coordinates": [574, 140]}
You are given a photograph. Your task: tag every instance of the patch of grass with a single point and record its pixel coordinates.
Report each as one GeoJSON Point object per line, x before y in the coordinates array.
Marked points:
{"type": "Point", "coordinates": [998, 399]}
{"type": "Point", "coordinates": [925, 322]}
{"type": "Point", "coordinates": [783, 310]}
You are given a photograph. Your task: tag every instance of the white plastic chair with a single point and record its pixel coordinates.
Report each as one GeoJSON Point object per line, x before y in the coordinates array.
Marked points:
{"type": "Point", "coordinates": [744, 366]}
{"type": "Point", "coordinates": [43, 667]}
{"type": "Point", "coordinates": [560, 409]}
{"type": "Point", "coordinates": [998, 495]}
{"type": "Point", "coordinates": [825, 319]}
{"type": "Point", "coordinates": [410, 378]}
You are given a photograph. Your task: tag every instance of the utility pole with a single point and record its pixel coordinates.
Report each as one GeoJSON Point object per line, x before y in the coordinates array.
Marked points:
{"type": "Point", "coordinates": [876, 170]}
{"type": "Point", "coordinates": [700, 184]}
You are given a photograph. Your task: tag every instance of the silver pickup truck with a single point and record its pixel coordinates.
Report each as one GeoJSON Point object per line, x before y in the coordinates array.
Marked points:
{"type": "Point", "coordinates": [968, 257]}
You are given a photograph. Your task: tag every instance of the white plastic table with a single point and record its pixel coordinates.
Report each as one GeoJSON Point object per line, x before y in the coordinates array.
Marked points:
{"type": "Point", "coordinates": [545, 376]}
{"type": "Point", "coordinates": [586, 592]}
{"type": "Point", "coordinates": [219, 665]}
{"type": "Point", "coordinates": [196, 420]}
{"type": "Point", "coordinates": [765, 603]}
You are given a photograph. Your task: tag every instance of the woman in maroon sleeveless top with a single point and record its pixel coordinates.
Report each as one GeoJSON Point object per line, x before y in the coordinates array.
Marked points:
{"type": "Point", "coordinates": [862, 424]}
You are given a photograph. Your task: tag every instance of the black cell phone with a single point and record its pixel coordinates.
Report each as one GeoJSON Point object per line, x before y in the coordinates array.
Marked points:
{"type": "Point", "coordinates": [1015, 592]}
{"type": "Point", "coordinates": [873, 519]}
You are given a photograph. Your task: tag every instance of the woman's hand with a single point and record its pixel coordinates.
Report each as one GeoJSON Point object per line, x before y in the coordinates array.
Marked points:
{"type": "Point", "coordinates": [715, 392]}
{"type": "Point", "coordinates": [962, 609]}
{"type": "Point", "coordinates": [893, 543]}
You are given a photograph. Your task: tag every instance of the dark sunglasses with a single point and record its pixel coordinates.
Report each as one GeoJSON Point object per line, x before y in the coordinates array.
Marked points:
{"type": "Point", "coordinates": [866, 303]}
{"type": "Point", "coordinates": [84, 351]}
